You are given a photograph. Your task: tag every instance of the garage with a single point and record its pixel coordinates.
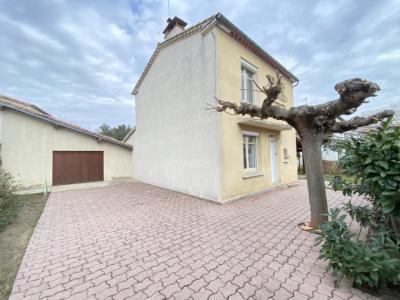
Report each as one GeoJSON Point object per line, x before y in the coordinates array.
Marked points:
{"type": "Point", "coordinates": [77, 167]}
{"type": "Point", "coordinates": [37, 147]}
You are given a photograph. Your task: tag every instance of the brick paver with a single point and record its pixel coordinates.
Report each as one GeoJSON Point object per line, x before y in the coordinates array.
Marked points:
{"type": "Point", "coordinates": [136, 241]}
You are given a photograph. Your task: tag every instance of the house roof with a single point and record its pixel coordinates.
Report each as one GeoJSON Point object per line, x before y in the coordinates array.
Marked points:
{"type": "Point", "coordinates": [36, 112]}
{"type": "Point", "coordinates": [128, 135]}
{"type": "Point", "coordinates": [228, 27]}
{"type": "Point", "coordinates": [371, 127]}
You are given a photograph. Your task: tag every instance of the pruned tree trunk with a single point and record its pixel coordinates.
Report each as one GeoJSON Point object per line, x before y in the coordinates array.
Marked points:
{"type": "Point", "coordinates": [314, 124]}
{"type": "Point", "coordinates": [311, 146]}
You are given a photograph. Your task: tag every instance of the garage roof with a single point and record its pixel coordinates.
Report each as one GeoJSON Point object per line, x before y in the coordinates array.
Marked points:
{"type": "Point", "coordinates": [36, 112]}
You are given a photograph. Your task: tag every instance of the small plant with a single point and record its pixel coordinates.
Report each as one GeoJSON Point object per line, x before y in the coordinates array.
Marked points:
{"type": "Point", "coordinates": [7, 199]}
{"type": "Point", "coordinates": [371, 168]}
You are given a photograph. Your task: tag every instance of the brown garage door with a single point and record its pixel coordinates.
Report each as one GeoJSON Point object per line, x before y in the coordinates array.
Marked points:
{"type": "Point", "coordinates": [77, 166]}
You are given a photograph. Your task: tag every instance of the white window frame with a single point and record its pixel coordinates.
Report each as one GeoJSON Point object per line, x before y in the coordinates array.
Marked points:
{"type": "Point", "coordinates": [246, 67]}
{"type": "Point", "coordinates": [246, 152]}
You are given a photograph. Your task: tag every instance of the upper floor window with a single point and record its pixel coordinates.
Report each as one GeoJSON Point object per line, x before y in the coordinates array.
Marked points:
{"type": "Point", "coordinates": [247, 85]}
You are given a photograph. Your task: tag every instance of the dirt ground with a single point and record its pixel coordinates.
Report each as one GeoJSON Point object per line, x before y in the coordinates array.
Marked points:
{"type": "Point", "coordinates": [15, 237]}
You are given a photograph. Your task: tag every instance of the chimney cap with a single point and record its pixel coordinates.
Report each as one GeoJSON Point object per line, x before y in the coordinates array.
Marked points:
{"type": "Point", "coordinates": [173, 22]}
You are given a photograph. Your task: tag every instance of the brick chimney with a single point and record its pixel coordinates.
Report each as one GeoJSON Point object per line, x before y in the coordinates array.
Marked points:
{"type": "Point", "coordinates": [174, 27]}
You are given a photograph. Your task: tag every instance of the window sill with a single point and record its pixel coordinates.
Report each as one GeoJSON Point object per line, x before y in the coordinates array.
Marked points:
{"type": "Point", "coordinates": [253, 174]}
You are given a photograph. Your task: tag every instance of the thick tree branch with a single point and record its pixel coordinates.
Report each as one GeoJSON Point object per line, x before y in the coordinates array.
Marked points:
{"type": "Point", "coordinates": [353, 93]}
{"type": "Point", "coordinates": [357, 122]}
{"type": "Point", "coordinates": [243, 109]}
{"type": "Point", "coordinates": [272, 91]}
{"type": "Point", "coordinates": [318, 118]}
{"type": "Point", "coordinates": [350, 111]}
{"type": "Point", "coordinates": [252, 110]}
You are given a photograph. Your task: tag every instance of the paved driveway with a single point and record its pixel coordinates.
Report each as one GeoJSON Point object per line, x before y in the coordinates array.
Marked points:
{"type": "Point", "coordinates": [138, 241]}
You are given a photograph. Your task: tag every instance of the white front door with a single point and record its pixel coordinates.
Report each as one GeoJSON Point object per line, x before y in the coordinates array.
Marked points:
{"type": "Point", "coordinates": [273, 150]}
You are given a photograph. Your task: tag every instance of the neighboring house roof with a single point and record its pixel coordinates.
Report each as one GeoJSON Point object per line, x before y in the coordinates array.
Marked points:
{"type": "Point", "coordinates": [36, 112]}
{"type": "Point", "coordinates": [367, 129]}
{"type": "Point", "coordinates": [4, 100]}
{"type": "Point", "coordinates": [128, 135]}
{"type": "Point", "coordinates": [233, 31]}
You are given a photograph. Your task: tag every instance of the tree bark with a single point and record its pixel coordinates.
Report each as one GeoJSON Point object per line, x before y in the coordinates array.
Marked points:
{"type": "Point", "coordinates": [311, 145]}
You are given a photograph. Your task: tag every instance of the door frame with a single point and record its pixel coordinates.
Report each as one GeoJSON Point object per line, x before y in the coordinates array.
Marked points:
{"type": "Point", "coordinates": [274, 159]}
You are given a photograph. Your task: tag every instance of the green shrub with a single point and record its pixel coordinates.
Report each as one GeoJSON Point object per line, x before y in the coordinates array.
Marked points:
{"type": "Point", "coordinates": [7, 199]}
{"type": "Point", "coordinates": [373, 161]}
{"type": "Point", "coordinates": [376, 264]}
{"type": "Point", "coordinates": [371, 168]}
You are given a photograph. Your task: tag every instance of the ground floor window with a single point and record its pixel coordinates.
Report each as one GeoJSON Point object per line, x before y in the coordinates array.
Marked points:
{"type": "Point", "coordinates": [250, 151]}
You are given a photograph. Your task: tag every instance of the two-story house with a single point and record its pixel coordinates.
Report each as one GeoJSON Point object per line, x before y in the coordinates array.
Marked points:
{"type": "Point", "coordinates": [182, 146]}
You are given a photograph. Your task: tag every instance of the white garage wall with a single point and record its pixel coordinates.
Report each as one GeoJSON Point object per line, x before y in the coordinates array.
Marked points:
{"type": "Point", "coordinates": [28, 145]}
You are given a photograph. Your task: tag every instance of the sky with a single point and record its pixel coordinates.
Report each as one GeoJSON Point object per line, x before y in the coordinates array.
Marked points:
{"type": "Point", "coordinates": [79, 60]}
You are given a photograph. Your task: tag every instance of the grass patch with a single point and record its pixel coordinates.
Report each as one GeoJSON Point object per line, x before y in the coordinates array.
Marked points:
{"type": "Point", "coordinates": [21, 218]}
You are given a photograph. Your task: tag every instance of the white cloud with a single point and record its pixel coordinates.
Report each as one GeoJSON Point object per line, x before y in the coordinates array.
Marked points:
{"type": "Point", "coordinates": [33, 63]}
{"type": "Point", "coordinates": [108, 77]}
{"type": "Point", "coordinates": [68, 54]}
{"type": "Point", "coordinates": [391, 55]}
{"type": "Point", "coordinates": [119, 33]}
{"type": "Point", "coordinates": [32, 33]}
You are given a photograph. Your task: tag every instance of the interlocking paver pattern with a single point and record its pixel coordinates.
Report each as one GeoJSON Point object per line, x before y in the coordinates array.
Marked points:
{"type": "Point", "coordinates": [137, 241]}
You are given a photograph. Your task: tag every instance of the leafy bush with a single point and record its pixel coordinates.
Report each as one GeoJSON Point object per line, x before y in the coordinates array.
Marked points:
{"type": "Point", "coordinates": [7, 199]}
{"type": "Point", "coordinates": [371, 168]}
{"type": "Point", "coordinates": [376, 264]}
{"type": "Point", "coordinates": [374, 162]}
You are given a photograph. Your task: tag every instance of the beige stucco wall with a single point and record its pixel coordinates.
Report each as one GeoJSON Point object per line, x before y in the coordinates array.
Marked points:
{"type": "Point", "coordinates": [28, 143]}
{"type": "Point", "coordinates": [229, 55]}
